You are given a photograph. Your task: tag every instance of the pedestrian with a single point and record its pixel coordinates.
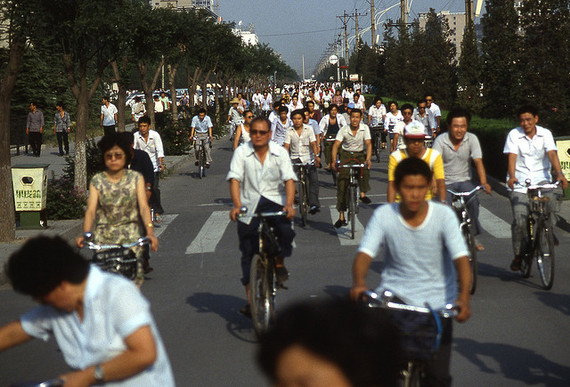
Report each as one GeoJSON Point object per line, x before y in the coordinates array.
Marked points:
{"type": "Point", "coordinates": [108, 116]}
{"type": "Point", "coordinates": [62, 127]}
{"type": "Point", "coordinates": [35, 128]}
{"type": "Point", "coordinates": [158, 113]}
{"type": "Point", "coordinates": [138, 109]}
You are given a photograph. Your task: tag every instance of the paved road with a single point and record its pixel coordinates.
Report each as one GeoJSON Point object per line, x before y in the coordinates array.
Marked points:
{"type": "Point", "coordinates": [518, 334]}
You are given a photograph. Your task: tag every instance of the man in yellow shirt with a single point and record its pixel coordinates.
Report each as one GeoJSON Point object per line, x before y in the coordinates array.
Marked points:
{"type": "Point", "coordinates": [414, 137]}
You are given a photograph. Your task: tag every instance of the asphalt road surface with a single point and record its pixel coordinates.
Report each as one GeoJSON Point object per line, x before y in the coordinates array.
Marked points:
{"type": "Point", "coordinates": [518, 334]}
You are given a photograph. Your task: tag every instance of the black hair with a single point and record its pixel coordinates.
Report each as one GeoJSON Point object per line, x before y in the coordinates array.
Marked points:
{"type": "Point", "coordinates": [411, 166]}
{"type": "Point", "coordinates": [60, 104]}
{"type": "Point", "coordinates": [115, 139]}
{"type": "Point", "coordinates": [276, 104]}
{"type": "Point", "coordinates": [298, 111]}
{"type": "Point", "coordinates": [261, 119]}
{"type": "Point", "coordinates": [333, 105]}
{"type": "Point", "coordinates": [106, 98]}
{"type": "Point", "coordinates": [392, 102]}
{"type": "Point", "coordinates": [456, 113]}
{"type": "Point", "coordinates": [360, 341]}
{"type": "Point", "coordinates": [42, 264]}
{"type": "Point", "coordinates": [407, 106]}
{"type": "Point", "coordinates": [138, 99]}
{"type": "Point", "coordinates": [202, 110]}
{"type": "Point", "coordinates": [283, 109]}
{"type": "Point", "coordinates": [144, 120]}
{"type": "Point", "coordinates": [308, 102]}
{"type": "Point", "coordinates": [376, 99]}
{"type": "Point", "coordinates": [345, 100]}
{"type": "Point", "coordinates": [129, 136]}
{"type": "Point", "coordinates": [355, 110]}
{"type": "Point", "coordinates": [527, 108]}
{"type": "Point", "coordinates": [356, 95]}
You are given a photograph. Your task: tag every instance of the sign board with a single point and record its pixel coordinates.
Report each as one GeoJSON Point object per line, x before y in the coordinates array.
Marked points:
{"type": "Point", "coordinates": [333, 59]}
{"type": "Point", "coordinates": [353, 77]}
{"type": "Point", "coordinates": [30, 187]}
{"type": "Point", "coordinates": [563, 146]}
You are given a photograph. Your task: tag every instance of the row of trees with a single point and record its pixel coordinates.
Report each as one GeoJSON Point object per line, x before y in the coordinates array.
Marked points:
{"type": "Point", "coordinates": [521, 55]}
{"type": "Point", "coordinates": [83, 46]}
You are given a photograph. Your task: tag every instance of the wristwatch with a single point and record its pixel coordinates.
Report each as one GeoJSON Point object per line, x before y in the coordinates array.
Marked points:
{"type": "Point", "coordinates": [98, 374]}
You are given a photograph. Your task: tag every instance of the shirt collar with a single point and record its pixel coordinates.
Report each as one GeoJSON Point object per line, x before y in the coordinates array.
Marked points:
{"type": "Point", "coordinates": [273, 148]}
{"type": "Point", "coordinates": [539, 132]}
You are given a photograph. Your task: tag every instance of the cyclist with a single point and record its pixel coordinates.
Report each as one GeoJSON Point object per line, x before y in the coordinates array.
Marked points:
{"type": "Point", "coordinates": [202, 128]}
{"type": "Point", "coordinates": [242, 131]}
{"type": "Point", "coordinates": [235, 116]}
{"type": "Point", "coordinates": [392, 117]}
{"type": "Point", "coordinates": [424, 255]}
{"type": "Point", "coordinates": [407, 113]}
{"type": "Point", "coordinates": [434, 108]}
{"type": "Point", "coordinates": [281, 125]}
{"type": "Point", "coordinates": [426, 117]}
{"type": "Point", "coordinates": [330, 125]}
{"type": "Point", "coordinates": [458, 147]}
{"type": "Point", "coordinates": [531, 152]}
{"type": "Point", "coordinates": [262, 178]}
{"type": "Point", "coordinates": [414, 137]}
{"type": "Point", "coordinates": [300, 140]}
{"type": "Point", "coordinates": [102, 323]}
{"type": "Point", "coordinates": [376, 116]}
{"type": "Point", "coordinates": [356, 144]}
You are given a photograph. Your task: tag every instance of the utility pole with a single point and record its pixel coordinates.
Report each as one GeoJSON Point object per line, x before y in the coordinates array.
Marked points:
{"type": "Point", "coordinates": [356, 15]}
{"type": "Point", "coordinates": [373, 23]}
{"type": "Point", "coordinates": [469, 16]}
{"type": "Point", "coordinates": [404, 11]}
{"type": "Point", "coordinates": [345, 18]}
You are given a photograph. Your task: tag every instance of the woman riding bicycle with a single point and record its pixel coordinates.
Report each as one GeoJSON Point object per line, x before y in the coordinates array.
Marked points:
{"type": "Point", "coordinates": [117, 200]}
{"type": "Point", "coordinates": [242, 131]}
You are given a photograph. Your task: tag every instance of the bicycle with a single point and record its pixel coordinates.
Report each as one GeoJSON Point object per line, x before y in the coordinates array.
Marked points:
{"type": "Point", "coordinates": [420, 327]}
{"type": "Point", "coordinates": [459, 204]}
{"type": "Point", "coordinates": [540, 244]}
{"type": "Point", "coordinates": [119, 258]}
{"type": "Point", "coordinates": [303, 190]}
{"type": "Point", "coordinates": [376, 132]}
{"type": "Point", "coordinates": [352, 191]}
{"type": "Point", "coordinates": [262, 277]}
{"type": "Point", "coordinates": [46, 383]}
{"type": "Point", "coordinates": [201, 145]}
{"type": "Point", "coordinates": [331, 141]}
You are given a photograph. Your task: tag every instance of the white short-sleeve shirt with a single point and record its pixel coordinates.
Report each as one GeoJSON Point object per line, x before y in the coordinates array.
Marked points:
{"type": "Point", "coordinates": [351, 142]}
{"type": "Point", "coordinates": [109, 114]}
{"type": "Point", "coordinates": [300, 146]}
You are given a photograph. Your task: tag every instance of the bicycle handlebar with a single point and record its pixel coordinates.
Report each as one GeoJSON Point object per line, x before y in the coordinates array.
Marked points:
{"type": "Point", "coordinates": [303, 164]}
{"type": "Point", "coordinates": [243, 214]}
{"type": "Point", "coordinates": [93, 246]}
{"type": "Point", "coordinates": [527, 184]}
{"type": "Point", "coordinates": [46, 383]}
{"type": "Point", "coordinates": [385, 301]}
{"type": "Point", "coordinates": [466, 193]}
{"type": "Point", "coordinates": [352, 165]}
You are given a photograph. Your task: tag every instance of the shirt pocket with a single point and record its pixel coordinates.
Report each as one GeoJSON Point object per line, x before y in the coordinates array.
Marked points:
{"type": "Point", "coordinates": [305, 141]}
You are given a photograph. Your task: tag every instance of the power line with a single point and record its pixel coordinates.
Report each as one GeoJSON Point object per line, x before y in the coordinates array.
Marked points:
{"type": "Point", "coordinates": [298, 33]}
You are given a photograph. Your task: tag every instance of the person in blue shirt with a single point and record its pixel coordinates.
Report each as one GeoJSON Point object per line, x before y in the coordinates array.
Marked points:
{"type": "Point", "coordinates": [202, 128]}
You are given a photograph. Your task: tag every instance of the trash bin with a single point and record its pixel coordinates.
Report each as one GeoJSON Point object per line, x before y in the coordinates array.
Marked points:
{"type": "Point", "coordinates": [29, 182]}
{"type": "Point", "coordinates": [563, 146]}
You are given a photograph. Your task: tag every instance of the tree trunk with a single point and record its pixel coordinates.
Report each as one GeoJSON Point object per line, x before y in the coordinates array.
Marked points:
{"type": "Point", "coordinates": [122, 95]}
{"type": "Point", "coordinates": [148, 88]}
{"type": "Point", "coordinates": [192, 81]}
{"type": "Point", "coordinates": [172, 70]}
{"type": "Point", "coordinates": [7, 212]}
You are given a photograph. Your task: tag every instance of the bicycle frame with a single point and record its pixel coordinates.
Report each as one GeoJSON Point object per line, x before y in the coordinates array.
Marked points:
{"type": "Point", "coordinates": [303, 176]}
{"type": "Point", "coordinates": [353, 190]}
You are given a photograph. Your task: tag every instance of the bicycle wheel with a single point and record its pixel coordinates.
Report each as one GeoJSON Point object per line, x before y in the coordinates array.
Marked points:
{"type": "Point", "coordinates": [303, 203]}
{"type": "Point", "coordinates": [470, 239]}
{"type": "Point", "coordinates": [412, 375]}
{"type": "Point", "coordinates": [378, 146]}
{"type": "Point", "coordinates": [352, 209]}
{"type": "Point", "coordinates": [202, 162]}
{"type": "Point", "coordinates": [260, 282]}
{"type": "Point", "coordinates": [333, 173]}
{"type": "Point", "coordinates": [545, 257]}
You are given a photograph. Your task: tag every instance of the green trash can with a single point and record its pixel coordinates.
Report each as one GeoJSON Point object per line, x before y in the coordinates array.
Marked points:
{"type": "Point", "coordinates": [563, 146]}
{"type": "Point", "coordinates": [29, 182]}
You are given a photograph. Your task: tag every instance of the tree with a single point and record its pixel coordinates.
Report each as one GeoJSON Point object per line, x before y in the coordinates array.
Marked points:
{"type": "Point", "coordinates": [501, 50]}
{"type": "Point", "coordinates": [469, 72]}
{"type": "Point", "coordinates": [400, 79]}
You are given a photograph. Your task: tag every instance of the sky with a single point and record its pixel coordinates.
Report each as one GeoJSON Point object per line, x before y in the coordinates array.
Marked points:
{"type": "Point", "coordinates": [295, 28]}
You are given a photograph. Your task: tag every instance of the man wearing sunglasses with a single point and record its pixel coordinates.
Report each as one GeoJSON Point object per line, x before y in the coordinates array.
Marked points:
{"type": "Point", "coordinates": [262, 179]}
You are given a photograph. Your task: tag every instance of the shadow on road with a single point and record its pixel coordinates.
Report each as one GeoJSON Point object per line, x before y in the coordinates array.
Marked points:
{"type": "Point", "coordinates": [515, 363]}
{"type": "Point", "coordinates": [507, 275]}
{"type": "Point", "coordinates": [337, 291]}
{"type": "Point", "coordinates": [227, 307]}
{"type": "Point", "coordinates": [560, 302]}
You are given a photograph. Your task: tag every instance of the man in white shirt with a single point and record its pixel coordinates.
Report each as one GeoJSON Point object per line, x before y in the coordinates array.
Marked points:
{"type": "Point", "coordinates": [434, 108]}
{"type": "Point", "coordinates": [108, 116]}
{"type": "Point", "coordinates": [150, 141]}
{"type": "Point", "coordinates": [280, 126]}
{"type": "Point", "coordinates": [532, 154]}
{"type": "Point", "coordinates": [262, 179]}
{"type": "Point", "coordinates": [301, 143]}
{"type": "Point", "coordinates": [101, 322]}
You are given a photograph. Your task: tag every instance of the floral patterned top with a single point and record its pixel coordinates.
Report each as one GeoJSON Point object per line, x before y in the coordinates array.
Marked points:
{"type": "Point", "coordinates": [118, 220]}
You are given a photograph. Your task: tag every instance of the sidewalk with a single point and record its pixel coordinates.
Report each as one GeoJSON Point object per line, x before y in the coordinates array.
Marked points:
{"type": "Point", "coordinates": [67, 229]}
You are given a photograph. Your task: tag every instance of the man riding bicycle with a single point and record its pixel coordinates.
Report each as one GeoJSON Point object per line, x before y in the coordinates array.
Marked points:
{"type": "Point", "coordinates": [424, 255]}
{"type": "Point", "coordinates": [531, 152]}
{"type": "Point", "coordinates": [262, 179]}
{"type": "Point", "coordinates": [202, 127]}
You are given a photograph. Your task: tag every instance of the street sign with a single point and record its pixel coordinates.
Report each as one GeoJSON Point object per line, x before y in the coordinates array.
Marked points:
{"type": "Point", "coordinates": [333, 59]}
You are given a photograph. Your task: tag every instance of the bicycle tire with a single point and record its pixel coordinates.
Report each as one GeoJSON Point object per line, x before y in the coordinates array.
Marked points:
{"type": "Point", "coordinates": [333, 173]}
{"type": "Point", "coordinates": [412, 375]}
{"type": "Point", "coordinates": [303, 202]}
{"type": "Point", "coordinates": [544, 253]}
{"type": "Point", "coordinates": [378, 147]}
{"type": "Point", "coordinates": [352, 210]}
{"type": "Point", "coordinates": [470, 239]}
{"type": "Point", "coordinates": [260, 282]}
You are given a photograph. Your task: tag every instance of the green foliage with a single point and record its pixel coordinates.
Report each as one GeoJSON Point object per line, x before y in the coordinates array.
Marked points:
{"type": "Point", "coordinates": [469, 73]}
{"type": "Point", "coordinates": [175, 136]}
{"type": "Point", "coordinates": [94, 162]}
{"type": "Point", "coordinates": [64, 201]}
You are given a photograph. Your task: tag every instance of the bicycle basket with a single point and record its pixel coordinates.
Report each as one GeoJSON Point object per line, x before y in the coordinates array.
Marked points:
{"type": "Point", "coordinates": [420, 332]}
{"type": "Point", "coordinates": [120, 261]}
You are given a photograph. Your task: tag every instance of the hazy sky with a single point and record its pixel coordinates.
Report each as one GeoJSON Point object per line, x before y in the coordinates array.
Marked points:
{"type": "Point", "coordinates": [297, 27]}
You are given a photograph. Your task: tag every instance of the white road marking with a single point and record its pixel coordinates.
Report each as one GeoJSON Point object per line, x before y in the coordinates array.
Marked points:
{"type": "Point", "coordinates": [343, 233]}
{"type": "Point", "coordinates": [494, 225]}
{"type": "Point", "coordinates": [210, 234]}
{"type": "Point", "coordinates": [166, 220]}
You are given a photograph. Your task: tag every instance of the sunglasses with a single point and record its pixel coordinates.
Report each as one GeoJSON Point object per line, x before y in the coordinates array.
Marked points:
{"type": "Point", "coordinates": [254, 132]}
{"type": "Point", "coordinates": [116, 155]}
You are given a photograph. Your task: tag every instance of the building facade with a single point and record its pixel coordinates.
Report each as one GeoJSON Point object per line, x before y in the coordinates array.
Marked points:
{"type": "Point", "coordinates": [456, 22]}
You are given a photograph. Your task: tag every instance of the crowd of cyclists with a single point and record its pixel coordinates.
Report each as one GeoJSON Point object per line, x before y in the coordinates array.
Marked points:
{"type": "Point", "coordinates": [314, 124]}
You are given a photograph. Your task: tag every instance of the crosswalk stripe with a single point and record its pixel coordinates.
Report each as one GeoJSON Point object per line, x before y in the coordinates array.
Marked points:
{"type": "Point", "coordinates": [210, 234]}
{"type": "Point", "coordinates": [343, 233]}
{"type": "Point", "coordinates": [494, 225]}
{"type": "Point", "coordinates": [166, 220]}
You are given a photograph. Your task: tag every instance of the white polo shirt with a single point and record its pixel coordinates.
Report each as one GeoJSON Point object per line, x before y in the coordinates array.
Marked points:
{"type": "Point", "coordinates": [532, 161]}
{"type": "Point", "coordinates": [153, 146]}
{"type": "Point", "coordinates": [353, 142]}
{"type": "Point", "coordinates": [300, 146]}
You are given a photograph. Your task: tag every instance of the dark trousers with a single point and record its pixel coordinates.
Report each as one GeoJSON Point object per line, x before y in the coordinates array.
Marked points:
{"type": "Point", "coordinates": [35, 139]}
{"type": "Point", "coordinates": [344, 177]}
{"type": "Point", "coordinates": [313, 180]}
{"type": "Point", "coordinates": [437, 368]}
{"type": "Point", "coordinates": [472, 205]}
{"type": "Point", "coordinates": [154, 201]}
{"type": "Point", "coordinates": [63, 142]}
{"type": "Point", "coordinates": [159, 120]}
{"type": "Point", "coordinates": [108, 129]}
{"type": "Point", "coordinates": [249, 237]}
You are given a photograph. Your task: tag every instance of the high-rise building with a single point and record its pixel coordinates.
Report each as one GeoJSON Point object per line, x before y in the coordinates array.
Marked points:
{"type": "Point", "coordinates": [456, 22]}
{"type": "Point", "coordinates": [209, 5]}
